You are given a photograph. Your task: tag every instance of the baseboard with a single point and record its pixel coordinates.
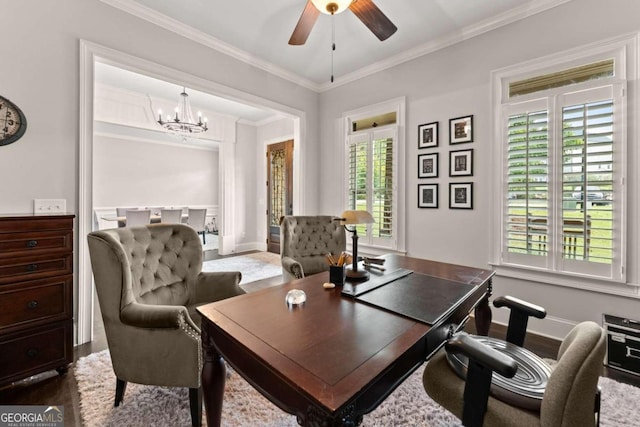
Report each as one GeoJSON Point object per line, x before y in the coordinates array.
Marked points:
{"type": "Point", "coordinates": [251, 246]}
{"type": "Point", "coordinates": [550, 327]}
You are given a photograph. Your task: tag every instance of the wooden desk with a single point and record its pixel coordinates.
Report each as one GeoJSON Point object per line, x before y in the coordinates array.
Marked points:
{"type": "Point", "coordinates": [332, 359]}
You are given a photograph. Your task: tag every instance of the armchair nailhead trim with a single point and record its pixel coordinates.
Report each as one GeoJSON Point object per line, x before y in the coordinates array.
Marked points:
{"type": "Point", "coordinates": [192, 333]}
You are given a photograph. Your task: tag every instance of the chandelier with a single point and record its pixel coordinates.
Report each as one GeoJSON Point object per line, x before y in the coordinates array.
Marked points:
{"type": "Point", "coordinates": [183, 123]}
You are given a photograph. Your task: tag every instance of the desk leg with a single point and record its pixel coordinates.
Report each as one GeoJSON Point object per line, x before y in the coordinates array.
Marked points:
{"type": "Point", "coordinates": [483, 313]}
{"type": "Point", "coordinates": [214, 373]}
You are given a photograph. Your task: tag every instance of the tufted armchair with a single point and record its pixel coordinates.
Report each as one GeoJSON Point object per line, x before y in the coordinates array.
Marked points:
{"type": "Point", "coordinates": [149, 283]}
{"type": "Point", "coordinates": [305, 241]}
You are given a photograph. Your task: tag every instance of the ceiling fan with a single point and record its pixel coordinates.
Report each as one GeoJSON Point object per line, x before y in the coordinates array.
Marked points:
{"type": "Point", "coordinates": [365, 10]}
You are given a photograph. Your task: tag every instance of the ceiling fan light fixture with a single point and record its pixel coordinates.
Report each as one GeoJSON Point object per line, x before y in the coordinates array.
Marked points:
{"type": "Point", "coordinates": [331, 7]}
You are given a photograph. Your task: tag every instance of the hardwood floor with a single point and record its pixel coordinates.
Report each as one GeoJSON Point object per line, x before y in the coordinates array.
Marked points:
{"type": "Point", "coordinates": [52, 389]}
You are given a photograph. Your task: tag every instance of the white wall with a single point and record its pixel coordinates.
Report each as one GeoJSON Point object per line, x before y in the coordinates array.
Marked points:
{"type": "Point", "coordinates": [44, 82]}
{"type": "Point", "coordinates": [137, 173]}
{"type": "Point", "coordinates": [246, 212]}
{"type": "Point", "coordinates": [454, 82]}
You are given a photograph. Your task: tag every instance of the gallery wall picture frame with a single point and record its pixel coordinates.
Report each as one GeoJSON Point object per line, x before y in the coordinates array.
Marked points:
{"type": "Point", "coordinates": [461, 129]}
{"type": "Point", "coordinates": [461, 163]}
{"type": "Point", "coordinates": [461, 195]}
{"type": "Point", "coordinates": [428, 165]}
{"type": "Point", "coordinates": [428, 135]}
{"type": "Point", "coordinates": [427, 195]}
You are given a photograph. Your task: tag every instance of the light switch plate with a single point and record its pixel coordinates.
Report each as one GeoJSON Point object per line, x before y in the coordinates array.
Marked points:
{"type": "Point", "coordinates": [49, 206]}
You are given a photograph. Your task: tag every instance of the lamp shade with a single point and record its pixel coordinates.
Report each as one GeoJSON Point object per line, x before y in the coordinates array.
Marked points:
{"type": "Point", "coordinates": [331, 7]}
{"type": "Point", "coordinates": [356, 217]}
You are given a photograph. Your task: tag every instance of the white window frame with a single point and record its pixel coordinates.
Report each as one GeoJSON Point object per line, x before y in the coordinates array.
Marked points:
{"type": "Point", "coordinates": [624, 52]}
{"type": "Point", "coordinates": [367, 244]}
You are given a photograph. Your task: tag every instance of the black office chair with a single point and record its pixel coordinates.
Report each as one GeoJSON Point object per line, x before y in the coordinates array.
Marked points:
{"type": "Point", "coordinates": [527, 390]}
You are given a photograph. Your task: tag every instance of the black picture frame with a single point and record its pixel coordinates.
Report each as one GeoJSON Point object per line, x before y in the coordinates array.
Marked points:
{"type": "Point", "coordinates": [461, 163]}
{"type": "Point", "coordinates": [461, 195]}
{"type": "Point", "coordinates": [428, 196]}
{"type": "Point", "coordinates": [461, 130]}
{"type": "Point", "coordinates": [428, 165]}
{"type": "Point", "coordinates": [428, 135]}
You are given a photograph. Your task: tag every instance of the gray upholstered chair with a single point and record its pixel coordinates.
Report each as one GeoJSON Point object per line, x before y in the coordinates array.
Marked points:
{"type": "Point", "coordinates": [305, 241]}
{"type": "Point", "coordinates": [570, 397]}
{"type": "Point", "coordinates": [149, 283]}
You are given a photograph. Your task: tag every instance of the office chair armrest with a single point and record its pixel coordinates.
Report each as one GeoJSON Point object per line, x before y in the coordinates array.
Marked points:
{"type": "Point", "coordinates": [482, 362]}
{"type": "Point", "coordinates": [293, 267]}
{"type": "Point", "coordinates": [519, 317]}
{"type": "Point", "coordinates": [155, 316]}
{"type": "Point", "coordinates": [523, 306]}
{"type": "Point", "coordinates": [218, 285]}
{"type": "Point", "coordinates": [483, 354]}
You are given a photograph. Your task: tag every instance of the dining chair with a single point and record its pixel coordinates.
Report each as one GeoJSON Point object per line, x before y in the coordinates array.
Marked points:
{"type": "Point", "coordinates": [155, 210]}
{"type": "Point", "coordinates": [122, 212]}
{"type": "Point", "coordinates": [196, 219]}
{"type": "Point", "coordinates": [137, 218]}
{"type": "Point", "coordinates": [171, 216]}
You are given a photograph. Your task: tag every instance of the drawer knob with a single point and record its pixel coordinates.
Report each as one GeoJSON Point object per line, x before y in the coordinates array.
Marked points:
{"type": "Point", "coordinates": [32, 243]}
{"type": "Point", "coordinates": [32, 304]}
{"type": "Point", "coordinates": [32, 352]}
{"type": "Point", "coordinates": [32, 267]}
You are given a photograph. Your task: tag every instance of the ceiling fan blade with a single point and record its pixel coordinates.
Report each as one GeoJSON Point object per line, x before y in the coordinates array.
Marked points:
{"type": "Point", "coordinates": [305, 24]}
{"type": "Point", "coordinates": [373, 18]}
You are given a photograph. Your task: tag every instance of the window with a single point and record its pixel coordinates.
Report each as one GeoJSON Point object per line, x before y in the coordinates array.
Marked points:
{"type": "Point", "coordinates": [562, 139]}
{"type": "Point", "coordinates": [372, 159]}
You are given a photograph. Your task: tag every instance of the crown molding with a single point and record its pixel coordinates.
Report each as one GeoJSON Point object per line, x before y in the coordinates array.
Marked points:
{"type": "Point", "coordinates": [529, 9]}
{"type": "Point", "coordinates": [161, 20]}
{"type": "Point", "coordinates": [495, 22]}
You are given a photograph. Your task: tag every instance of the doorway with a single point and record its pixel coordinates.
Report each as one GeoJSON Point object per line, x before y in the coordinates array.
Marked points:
{"type": "Point", "coordinates": [279, 190]}
{"type": "Point", "coordinates": [228, 201]}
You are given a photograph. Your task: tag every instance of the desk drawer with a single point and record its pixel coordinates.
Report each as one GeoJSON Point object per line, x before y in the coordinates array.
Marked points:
{"type": "Point", "coordinates": [35, 267]}
{"type": "Point", "coordinates": [25, 244]}
{"type": "Point", "coordinates": [31, 303]}
{"type": "Point", "coordinates": [42, 349]}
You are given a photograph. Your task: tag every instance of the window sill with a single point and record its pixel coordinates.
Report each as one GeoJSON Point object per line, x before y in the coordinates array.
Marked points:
{"type": "Point", "coordinates": [366, 250]}
{"type": "Point", "coordinates": [582, 282]}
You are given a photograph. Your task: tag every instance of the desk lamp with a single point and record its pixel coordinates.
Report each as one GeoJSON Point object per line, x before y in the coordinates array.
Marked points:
{"type": "Point", "coordinates": [354, 218]}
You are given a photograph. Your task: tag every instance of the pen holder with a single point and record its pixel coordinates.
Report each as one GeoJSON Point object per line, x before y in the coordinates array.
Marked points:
{"type": "Point", "coordinates": [337, 274]}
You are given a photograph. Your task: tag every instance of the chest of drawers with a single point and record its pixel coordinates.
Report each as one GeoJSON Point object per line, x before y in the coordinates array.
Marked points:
{"type": "Point", "coordinates": [36, 295]}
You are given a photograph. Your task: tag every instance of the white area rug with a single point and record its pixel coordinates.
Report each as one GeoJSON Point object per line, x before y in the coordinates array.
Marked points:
{"type": "Point", "coordinates": [256, 266]}
{"type": "Point", "coordinates": [243, 406]}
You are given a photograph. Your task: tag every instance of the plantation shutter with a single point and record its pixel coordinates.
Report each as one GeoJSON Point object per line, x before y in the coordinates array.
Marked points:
{"type": "Point", "coordinates": [527, 177]}
{"type": "Point", "coordinates": [591, 136]}
{"type": "Point", "coordinates": [371, 183]}
{"type": "Point", "coordinates": [382, 186]}
{"type": "Point", "coordinates": [357, 172]}
{"type": "Point", "coordinates": [561, 211]}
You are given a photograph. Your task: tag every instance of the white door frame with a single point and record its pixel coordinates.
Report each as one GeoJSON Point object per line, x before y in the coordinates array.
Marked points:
{"type": "Point", "coordinates": [89, 54]}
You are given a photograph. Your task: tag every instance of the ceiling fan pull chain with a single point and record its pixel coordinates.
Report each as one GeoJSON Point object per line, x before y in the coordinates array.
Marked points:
{"type": "Point", "coordinates": [333, 41]}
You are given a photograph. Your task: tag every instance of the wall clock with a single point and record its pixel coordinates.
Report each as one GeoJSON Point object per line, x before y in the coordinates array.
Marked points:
{"type": "Point", "coordinates": [13, 123]}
